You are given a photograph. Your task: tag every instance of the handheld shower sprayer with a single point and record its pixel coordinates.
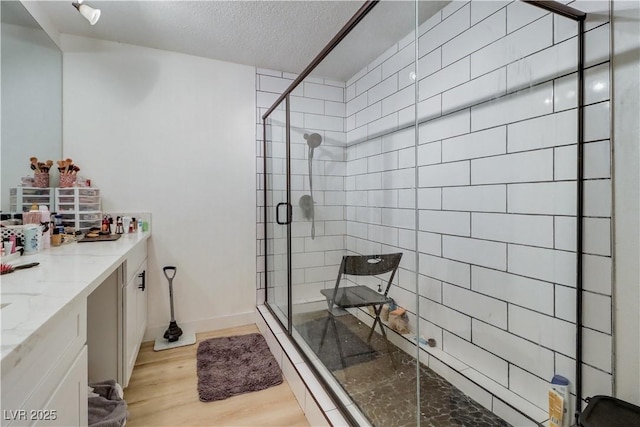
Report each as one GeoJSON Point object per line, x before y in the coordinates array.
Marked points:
{"type": "Point", "coordinates": [306, 202]}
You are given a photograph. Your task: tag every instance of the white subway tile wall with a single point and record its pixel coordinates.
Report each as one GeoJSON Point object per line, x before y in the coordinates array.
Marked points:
{"type": "Point", "coordinates": [491, 168]}
{"type": "Point", "coordinates": [318, 106]}
{"type": "Point", "coordinates": [496, 189]}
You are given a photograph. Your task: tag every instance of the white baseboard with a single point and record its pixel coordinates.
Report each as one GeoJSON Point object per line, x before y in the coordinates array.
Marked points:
{"type": "Point", "coordinates": [204, 325]}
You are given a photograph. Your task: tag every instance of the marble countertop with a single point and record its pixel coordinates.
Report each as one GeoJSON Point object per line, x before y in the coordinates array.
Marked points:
{"type": "Point", "coordinates": [30, 298]}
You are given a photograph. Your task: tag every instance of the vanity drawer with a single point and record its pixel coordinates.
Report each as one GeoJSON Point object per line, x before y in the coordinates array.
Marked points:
{"type": "Point", "coordinates": [62, 398]}
{"type": "Point", "coordinates": [135, 258]}
{"type": "Point", "coordinates": [48, 353]}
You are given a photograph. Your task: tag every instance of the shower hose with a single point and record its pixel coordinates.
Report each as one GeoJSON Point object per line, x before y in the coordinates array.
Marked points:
{"type": "Point", "coordinates": [313, 214]}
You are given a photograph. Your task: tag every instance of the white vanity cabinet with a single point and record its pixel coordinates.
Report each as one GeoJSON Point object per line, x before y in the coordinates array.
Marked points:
{"type": "Point", "coordinates": [135, 318]}
{"type": "Point", "coordinates": [49, 386]}
{"type": "Point", "coordinates": [134, 299]}
{"type": "Point", "coordinates": [78, 318]}
{"type": "Point", "coordinates": [117, 319]}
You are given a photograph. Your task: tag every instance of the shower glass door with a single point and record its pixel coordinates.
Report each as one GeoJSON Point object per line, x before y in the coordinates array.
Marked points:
{"type": "Point", "coordinates": [318, 224]}
{"type": "Point", "coordinates": [353, 181]}
{"type": "Point", "coordinates": [447, 132]}
{"type": "Point", "coordinates": [277, 212]}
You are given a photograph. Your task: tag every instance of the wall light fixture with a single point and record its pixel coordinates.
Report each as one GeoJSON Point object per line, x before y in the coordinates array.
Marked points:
{"type": "Point", "coordinates": [92, 15]}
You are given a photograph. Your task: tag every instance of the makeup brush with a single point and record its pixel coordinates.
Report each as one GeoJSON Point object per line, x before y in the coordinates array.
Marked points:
{"type": "Point", "coordinates": [34, 164]}
{"type": "Point", "coordinates": [8, 268]}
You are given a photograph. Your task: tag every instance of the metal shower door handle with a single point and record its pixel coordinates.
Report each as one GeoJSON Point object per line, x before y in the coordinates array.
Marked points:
{"type": "Point", "coordinates": [288, 219]}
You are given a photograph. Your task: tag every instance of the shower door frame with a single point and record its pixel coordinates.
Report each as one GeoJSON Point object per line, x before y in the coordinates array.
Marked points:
{"type": "Point", "coordinates": [549, 5]}
{"type": "Point", "coordinates": [344, 31]}
{"type": "Point", "coordinates": [276, 206]}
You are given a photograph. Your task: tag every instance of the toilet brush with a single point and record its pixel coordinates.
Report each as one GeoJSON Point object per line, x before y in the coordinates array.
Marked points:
{"type": "Point", "coordinates": [173, 336]}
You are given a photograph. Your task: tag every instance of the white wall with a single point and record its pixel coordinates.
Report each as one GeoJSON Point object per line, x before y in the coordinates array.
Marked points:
{"type": "Point", "coordinates": [626, 132]}
{"type": "Point", "coordinates": [171, 134]}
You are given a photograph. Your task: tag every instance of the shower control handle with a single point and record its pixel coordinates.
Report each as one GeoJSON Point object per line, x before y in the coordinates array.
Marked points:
{"type": "Point", "coordinates": [289, 211]}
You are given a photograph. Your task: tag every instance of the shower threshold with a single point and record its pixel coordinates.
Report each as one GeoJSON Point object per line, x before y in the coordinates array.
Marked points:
{"type": "Point", "coordinates": [381, 378]}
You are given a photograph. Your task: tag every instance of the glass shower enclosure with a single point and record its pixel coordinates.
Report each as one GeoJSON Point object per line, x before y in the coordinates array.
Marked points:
{"type": "Point", "coordinates": [449, 133]}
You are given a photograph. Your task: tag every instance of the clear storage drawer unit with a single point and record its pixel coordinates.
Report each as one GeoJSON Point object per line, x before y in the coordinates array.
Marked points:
{"type": "Point", "coordinates": [22, 198]}
{"type": "Point", "coordinates": [80, 207]}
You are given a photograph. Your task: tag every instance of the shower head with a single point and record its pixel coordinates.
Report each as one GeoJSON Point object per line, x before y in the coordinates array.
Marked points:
{"type": "Point", "coordinates": [314, 140]}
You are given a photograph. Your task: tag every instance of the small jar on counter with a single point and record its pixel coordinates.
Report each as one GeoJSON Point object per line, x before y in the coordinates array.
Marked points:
{"type": "Point", "coordinates": [56, 237]}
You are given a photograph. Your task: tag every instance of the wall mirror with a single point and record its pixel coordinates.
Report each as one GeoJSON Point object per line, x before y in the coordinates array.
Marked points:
{"type": "Point", "coordinates": [31, 95]}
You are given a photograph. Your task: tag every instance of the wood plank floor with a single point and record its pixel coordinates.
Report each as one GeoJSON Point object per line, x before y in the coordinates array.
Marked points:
{"type": "Point", "coordinates": [163, 391]}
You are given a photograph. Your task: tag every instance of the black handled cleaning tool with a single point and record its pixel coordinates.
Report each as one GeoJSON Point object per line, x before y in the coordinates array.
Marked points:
{"type": "Point", "coordinates": [173, 337]}
{"type": "Point", "coordinates": [173, 332]}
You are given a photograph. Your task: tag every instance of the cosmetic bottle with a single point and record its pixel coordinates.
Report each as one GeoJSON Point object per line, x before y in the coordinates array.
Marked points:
{"type": "Point", "coordinates": [559, 402]}
{"type": "Point", "coordinates": [45, 223]}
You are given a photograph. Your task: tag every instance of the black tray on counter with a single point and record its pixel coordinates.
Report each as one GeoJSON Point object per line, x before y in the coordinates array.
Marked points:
{"type": "Point", "coordinates": [100, 238]}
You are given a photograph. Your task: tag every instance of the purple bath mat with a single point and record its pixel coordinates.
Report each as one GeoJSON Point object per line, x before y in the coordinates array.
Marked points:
{"type": "Point", "coordinates": [234, 365]}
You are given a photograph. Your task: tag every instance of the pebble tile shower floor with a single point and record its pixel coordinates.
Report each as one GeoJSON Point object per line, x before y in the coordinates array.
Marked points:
{"type": "Point", "coordinates": [383, 385]}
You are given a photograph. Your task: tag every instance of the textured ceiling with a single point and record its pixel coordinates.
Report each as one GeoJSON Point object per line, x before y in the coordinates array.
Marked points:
{"type": "Point", "coordinates": [279, 35]}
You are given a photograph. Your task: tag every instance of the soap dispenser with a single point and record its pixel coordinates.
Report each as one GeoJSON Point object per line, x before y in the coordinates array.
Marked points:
{"type": "Point", "coordinates": [45, 222]}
